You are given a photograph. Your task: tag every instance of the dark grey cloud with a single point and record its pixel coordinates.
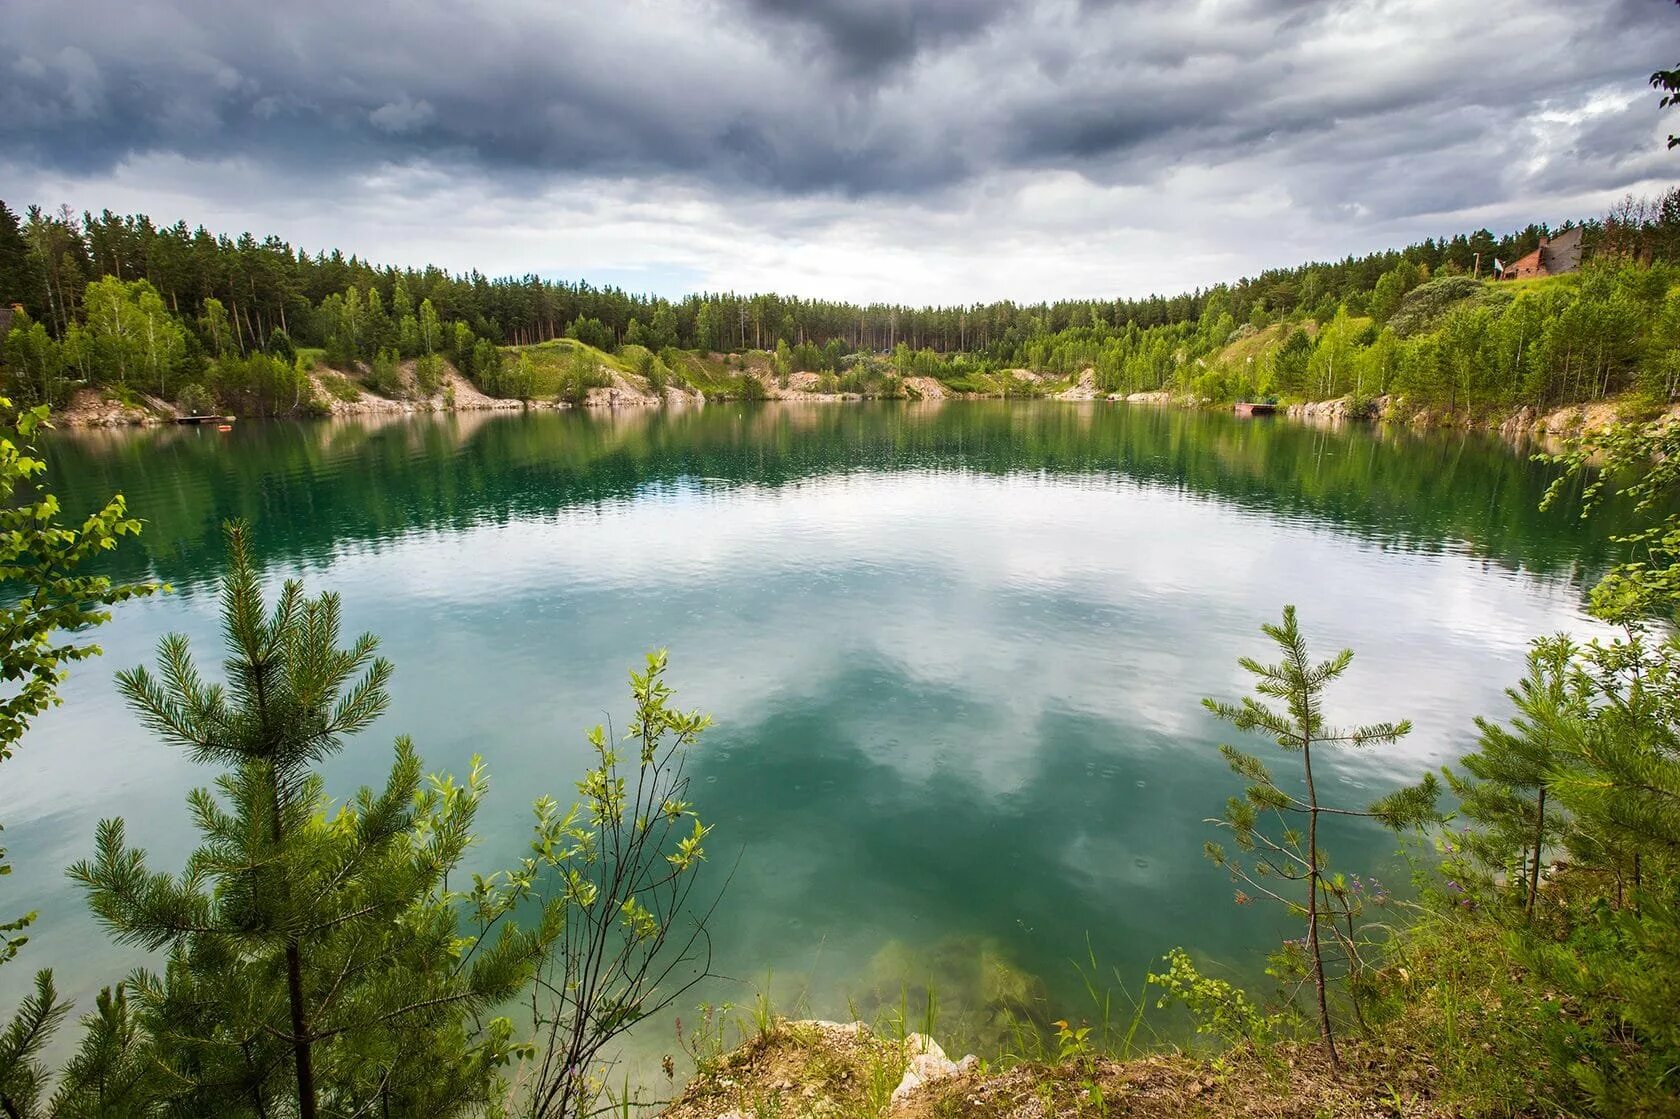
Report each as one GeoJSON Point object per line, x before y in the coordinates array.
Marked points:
{"type": "Point", "coordinates": [863, 38]}
{"type": "Point", "coordinates": [882, 146]}
{"type": "Point", "coordinates": [854, 97]}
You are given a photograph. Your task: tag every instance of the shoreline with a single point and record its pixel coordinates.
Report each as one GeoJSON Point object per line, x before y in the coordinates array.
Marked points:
{"type": "Point", "coordinates": [337, 395]}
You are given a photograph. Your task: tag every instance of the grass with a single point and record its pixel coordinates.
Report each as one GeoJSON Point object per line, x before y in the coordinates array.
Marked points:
{"type": "Point", "coordinates": [552, 362]}
{"type": "Point", "coordinates": [338, 386]}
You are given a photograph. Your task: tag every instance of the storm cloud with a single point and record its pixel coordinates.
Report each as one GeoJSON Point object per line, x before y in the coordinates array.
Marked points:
{"type": "Point", "coordinates": [1143, 144]}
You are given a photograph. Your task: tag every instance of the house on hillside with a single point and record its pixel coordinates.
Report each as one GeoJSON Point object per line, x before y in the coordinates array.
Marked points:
{"type": "Point", "coordinates": [1554, 257]}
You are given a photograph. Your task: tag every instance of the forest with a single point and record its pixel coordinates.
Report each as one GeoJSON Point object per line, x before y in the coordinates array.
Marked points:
{"type": "Point", "coordinates": [198, 320]}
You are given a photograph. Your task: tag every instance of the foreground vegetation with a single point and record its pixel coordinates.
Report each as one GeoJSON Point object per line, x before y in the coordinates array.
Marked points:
{"type": "Point", "coordinates": [315, 957]}
{"type": "Point", "coordinates": [1531, 971]}
{"type": "Point", "coordinates": [173, 317]}
{"type": "Point", "coordinates": [316, 960]}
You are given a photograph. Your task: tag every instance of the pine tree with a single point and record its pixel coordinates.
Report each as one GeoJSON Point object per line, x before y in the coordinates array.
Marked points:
{"type": "Point", "coordinates": [313, 954]}
{"type": "Point", "coordinates": [1511, 770]}
{"type": "Point", "coordinates": [21, 281]}
{"type": "Point", "coordinates": [1281, 852]}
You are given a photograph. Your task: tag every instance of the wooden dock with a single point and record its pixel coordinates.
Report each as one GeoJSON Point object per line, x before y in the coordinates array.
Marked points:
{"type": "Point", "coordinates": [203, 419]}
{"type": "Point", "coordinates": [1249, 408]}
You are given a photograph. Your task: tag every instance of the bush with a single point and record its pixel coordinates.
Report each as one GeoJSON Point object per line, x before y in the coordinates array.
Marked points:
{"type": "Point", "coordinates": [385, 375]}
{"type": "Point", "coordinates": [260, 385]}
{"type": "Point", "coordinates": [195, 400]}
{"type": "Point", "coordinates": [280, 345]}
{"type": "Point", "coordinates": [581, 374]}
{"type": "Point", "coordinates": [340, 387]}
{"type": "Point", "coordinates": [428, 374]}
{"type": "Point", "coordinates": [1426, 305]}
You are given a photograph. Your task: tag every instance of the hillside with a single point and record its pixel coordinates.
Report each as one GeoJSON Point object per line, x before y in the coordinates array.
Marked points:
{"type": "Point", "coordinates": [1406, 334]}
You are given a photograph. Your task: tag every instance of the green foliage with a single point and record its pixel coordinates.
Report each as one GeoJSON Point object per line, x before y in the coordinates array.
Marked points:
{"type": "Point", "coordinates": [34, 363]}
{"type": "Point", "coordinates": [1266, 822]}
{"type": "Point", "coordinates": [41, 558]}
{"type": "Point", "coordinates": [1544, 972]}
{"type": "Point", "coordinates": [1218, 1008]}
{"type": "Point", "coordinates": [280, 346]}
{"type": "Point", "coordinates": [428, 374]}
{"type": "Point", "coordinates": [1452, 342]}
{"type": "Point", "coordinates": [23, 1076]}
{"type": "Point", "coordinates": [260, 385]}
{"type": "Point", "coordinates": [339, 387]}
{"type": "Point", "coordinates": [748, 386]}
{"type": "Point", "coordinates": [623, 864]}
{"type": "Point", "coordinates": [1512, 769]}
{"type": "Point", "coordinates": [581, 373]}
{"type": "Point", "coordinates": [313, 954]}
{"type": "Point", "coordinates": [592, 332]}
{"type": "Point", "coordinates": [130, 334]}
{"type": "Point", "coordinates": [195, 400]}
{"type": "Point", "coordinates": [385, 375]}
{"type": "Point", "coordinates": [1423, 307]}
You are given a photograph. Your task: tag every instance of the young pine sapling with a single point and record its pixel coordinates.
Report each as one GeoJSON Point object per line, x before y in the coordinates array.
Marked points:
{"type": "Point", "coordinates": [1265, 823]}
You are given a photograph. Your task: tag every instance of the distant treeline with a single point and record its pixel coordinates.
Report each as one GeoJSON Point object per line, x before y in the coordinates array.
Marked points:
{"type": "Point", "coordinates": [174, 310]}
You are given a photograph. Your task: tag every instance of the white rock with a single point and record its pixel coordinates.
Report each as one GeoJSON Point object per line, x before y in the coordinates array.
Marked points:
{"type": "Point", "coordinates": [928, 1064]}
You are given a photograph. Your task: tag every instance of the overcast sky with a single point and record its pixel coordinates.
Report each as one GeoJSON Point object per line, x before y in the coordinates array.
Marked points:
{"type": "Point", "coordinates": [914, 150]}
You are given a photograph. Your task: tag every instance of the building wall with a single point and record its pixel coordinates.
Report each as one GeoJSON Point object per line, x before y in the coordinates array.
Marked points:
{"type": "Point", "coordinates": [1524, 267]}
{"type": "Point", "coordinates": [1562, 253]}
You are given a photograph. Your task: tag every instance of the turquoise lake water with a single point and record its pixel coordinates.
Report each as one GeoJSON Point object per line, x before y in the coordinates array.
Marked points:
{"type": "Point", "coordinates": [954, 652]}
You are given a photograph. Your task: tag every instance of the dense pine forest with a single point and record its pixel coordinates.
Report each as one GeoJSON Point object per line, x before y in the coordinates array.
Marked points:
{"type": "Point", "coordinates": [187, 317]}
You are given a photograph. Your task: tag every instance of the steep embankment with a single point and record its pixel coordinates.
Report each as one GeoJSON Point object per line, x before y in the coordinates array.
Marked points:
{"type": "Point", "coordinates": [341, 393]}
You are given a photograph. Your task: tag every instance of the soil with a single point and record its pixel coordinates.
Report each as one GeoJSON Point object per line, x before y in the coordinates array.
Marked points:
{"type": "Point", "coordinates": [828, 1070]}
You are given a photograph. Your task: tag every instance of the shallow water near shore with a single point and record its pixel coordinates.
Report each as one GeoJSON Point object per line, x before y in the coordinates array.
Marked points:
{"type": "Point", "coordinates": [955, 653]}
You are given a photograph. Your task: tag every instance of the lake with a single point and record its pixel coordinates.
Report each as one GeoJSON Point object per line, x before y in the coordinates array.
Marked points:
{"type": "Point", "coordinates": [955, 653]}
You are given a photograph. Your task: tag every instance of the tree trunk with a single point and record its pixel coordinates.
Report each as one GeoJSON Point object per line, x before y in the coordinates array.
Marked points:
{"type": "Point", "coordinates": [300, 1036]}
{"type": "Point", "coordinates": [301, 1056]}
{"type": "Point", "coordinates": [1539, 840]}
{"type": "Point", "coordinates": [1324, 1030]}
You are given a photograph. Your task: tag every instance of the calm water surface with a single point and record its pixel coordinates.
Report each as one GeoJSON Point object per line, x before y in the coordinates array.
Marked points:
{"type": "Point", "coordinates": [955, 653]}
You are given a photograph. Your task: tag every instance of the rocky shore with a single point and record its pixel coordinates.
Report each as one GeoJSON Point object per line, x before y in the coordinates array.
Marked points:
{"type": "Point", "coordinates": [337, 394]}
{"type": "Point", "coordinates": [834, 1070]}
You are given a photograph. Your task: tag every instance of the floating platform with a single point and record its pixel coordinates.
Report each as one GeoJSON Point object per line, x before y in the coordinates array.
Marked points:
{"type": "Point", "coordinates": [1247, 408]}
{"type": "Point", "coordinates": [203, 419]}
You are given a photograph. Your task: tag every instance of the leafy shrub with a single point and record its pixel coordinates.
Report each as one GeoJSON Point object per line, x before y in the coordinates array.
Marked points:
{"type": "Point", "coordinates": [280, 345]}
{"type": "Point", "coordinates": [385, 375]}
{"type": "Point", "coordinates": [428, 374]}
{"type": "Point", "coordinates": [1218, 1008]}
{"type": "Point", "coordinates": [749, 387]}
{"type": "Point", "coordinates": [340, 387]}
{"type": "Point", "coordinates": [195, 400]}
{"type": "Point", "coordinates": [1426, 305]}
{"type": "Point", "coordinates": [582, 373]}
{"type": "Point", "coordinates": [260, 385]}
